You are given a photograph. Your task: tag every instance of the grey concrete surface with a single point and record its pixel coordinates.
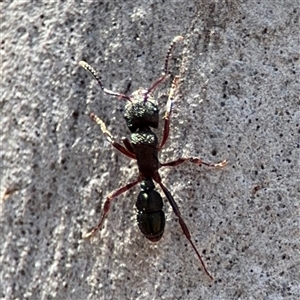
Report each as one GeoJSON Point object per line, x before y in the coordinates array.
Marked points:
{"type": "Point", "coordinates": [238, 100]}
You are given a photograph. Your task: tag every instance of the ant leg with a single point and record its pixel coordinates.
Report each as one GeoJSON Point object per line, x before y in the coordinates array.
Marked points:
{"type": "Point", "coordinates": [183, 225]}
{"type": "Point", "coordinates": [90, 69]}
{"type": "Point", "coordinates": [106, 208]}
{"type": "Point", "coordinates": [169, 107]}
{"type": "Point", "coordinates": [166, 66]}
{"type": "Point", "coordinates": [127, 144]}
{"type": "Point", "coordinates": [194, 160]}
{"type": "Point", "coordinates": [126, 151]}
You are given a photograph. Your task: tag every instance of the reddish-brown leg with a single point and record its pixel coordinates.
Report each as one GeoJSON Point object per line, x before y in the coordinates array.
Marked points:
{"type": "Point", "coordinates": [167, 116]}
{"type": "Point", "coordinates": [127, 144]}
{"type": "Point", "coordinates": [106, 208]}
{"type": "Point", "coordinates": [110, 138]}
{"type": "Point", "coordinates": [194, 160]}
{"type": "Point", "coordinates": [183, 225]}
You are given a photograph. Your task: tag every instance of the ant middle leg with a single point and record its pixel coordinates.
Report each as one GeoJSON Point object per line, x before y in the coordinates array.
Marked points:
{"type": "Point", "coordinates": [125, 150]}
{"type": "Point", "coordinates": [169, 108]}
{"type": "Point", "coordinates": [194, 160]}
{"type": "Point", "coordinates": [108, 200]}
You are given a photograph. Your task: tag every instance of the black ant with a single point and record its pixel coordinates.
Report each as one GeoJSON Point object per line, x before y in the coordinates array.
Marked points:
{"type": "Point", "coordinates": [142, 113]}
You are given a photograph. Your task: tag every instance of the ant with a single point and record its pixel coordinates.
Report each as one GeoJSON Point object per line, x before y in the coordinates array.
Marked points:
{"type": "Point", "coordinates": [142, 113]}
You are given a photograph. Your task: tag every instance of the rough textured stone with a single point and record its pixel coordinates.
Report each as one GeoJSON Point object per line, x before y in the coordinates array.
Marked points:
{"type": "Point", "coordinates": [238, 100]}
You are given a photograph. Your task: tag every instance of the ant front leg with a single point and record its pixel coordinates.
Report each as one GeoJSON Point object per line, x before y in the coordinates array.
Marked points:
{"type": "Point", "coordinates": [106, 208]}
{"type": "Point", "coordinates": [169, 107]}
{"type": "Point", "coordinates": [194, 160]}
{"type": "Point", "coordinates": [126, 151]}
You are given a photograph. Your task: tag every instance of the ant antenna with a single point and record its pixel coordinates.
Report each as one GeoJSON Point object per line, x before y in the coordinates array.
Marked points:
{"type": "Point", "coordinates": [90, 69]}
{"type": "Point", "coordinates": [177, 39]}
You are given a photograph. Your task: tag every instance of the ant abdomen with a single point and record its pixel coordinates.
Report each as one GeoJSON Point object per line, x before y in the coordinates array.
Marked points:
{"type": "Point", "coordinates": [151, 218]}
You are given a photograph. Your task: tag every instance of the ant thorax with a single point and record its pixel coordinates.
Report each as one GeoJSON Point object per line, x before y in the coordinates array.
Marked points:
{"type": "Point", "coordinates": [141, 111]}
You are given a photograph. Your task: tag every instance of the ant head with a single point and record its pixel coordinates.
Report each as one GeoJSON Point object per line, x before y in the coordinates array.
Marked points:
{"type": "Point", "coordinates": [140, 113]}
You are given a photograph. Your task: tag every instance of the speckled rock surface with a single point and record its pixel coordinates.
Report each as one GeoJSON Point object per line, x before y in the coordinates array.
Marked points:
{"type": "Point", "coordinates": [238, 100]}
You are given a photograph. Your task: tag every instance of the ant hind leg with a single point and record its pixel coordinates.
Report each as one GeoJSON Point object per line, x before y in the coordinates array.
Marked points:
{"type": "Point", "coordinates": [183, 226]}
{"type": "Point", "coordinates": [106, 208]}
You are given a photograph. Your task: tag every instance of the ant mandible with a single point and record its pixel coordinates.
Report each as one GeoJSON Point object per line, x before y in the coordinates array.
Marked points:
{"type": "Point", "coordinates": [142, 113]}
